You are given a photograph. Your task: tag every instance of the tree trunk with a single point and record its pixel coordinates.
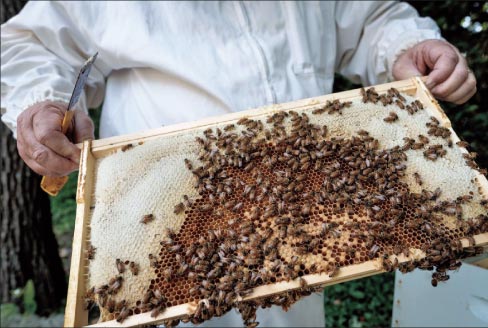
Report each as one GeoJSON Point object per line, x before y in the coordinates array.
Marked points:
{"type": "Point", "coordinates": [29, 249]}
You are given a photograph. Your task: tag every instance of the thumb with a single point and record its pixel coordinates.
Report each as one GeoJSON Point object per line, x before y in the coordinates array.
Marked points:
{"type": "Point", "coordinates": [83, 127]}
{"type": "Point", "coordinates": [405, 67]}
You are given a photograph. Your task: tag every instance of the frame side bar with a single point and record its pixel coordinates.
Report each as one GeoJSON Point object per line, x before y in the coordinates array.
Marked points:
{"type": "Point", "coordinates": [75, 314]}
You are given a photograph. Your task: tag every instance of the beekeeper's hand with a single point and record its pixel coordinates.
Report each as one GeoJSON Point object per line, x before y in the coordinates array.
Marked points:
{"type": "Point", "coordinates": [449, 77]}
{"type": "Point", "coordinates": [41, 143]}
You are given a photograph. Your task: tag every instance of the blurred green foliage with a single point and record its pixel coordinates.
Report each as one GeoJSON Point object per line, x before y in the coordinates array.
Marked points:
{"type": "Point", "coordinates": [28, 298]}
{"type": "Point", "coordinates": [63, 207]}
{"type": "Point", "coordinates": [360, 303]}
{"type": "Point", "coordinates": [26, 302]}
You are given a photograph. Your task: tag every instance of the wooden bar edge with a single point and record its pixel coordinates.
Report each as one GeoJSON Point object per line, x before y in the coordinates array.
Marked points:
{"type": "Point", "coordinates": [75, 314]}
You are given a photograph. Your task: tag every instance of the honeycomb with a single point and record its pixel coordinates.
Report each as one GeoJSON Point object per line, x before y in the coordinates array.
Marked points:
{"type": "Point", "coordinates": [285, 196]}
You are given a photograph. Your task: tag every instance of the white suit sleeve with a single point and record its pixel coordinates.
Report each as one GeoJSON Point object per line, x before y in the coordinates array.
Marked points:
{"type": "Point", "coordinates": [372, 34]}
{"type": "Point", "coordinates": [42, 50]}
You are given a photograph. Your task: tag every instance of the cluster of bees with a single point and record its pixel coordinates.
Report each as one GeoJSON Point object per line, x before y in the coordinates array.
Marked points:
{"type": "Point", "coordinates": [435, 129]}
{"type": "Point", "coordinates": [104, 295]}
{"type": "Point", "coordinates": [392, 96]}
{"type": "Point", "coordinates": [281, 199]}
{"type": "Point", "coordinates": [332, 107]}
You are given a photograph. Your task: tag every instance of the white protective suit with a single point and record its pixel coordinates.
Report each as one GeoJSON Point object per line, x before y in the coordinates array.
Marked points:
{"type": "Point", "coordinates": [162, 63]}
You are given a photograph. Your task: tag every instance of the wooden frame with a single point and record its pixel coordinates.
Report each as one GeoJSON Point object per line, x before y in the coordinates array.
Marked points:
{"type": "Point", "coordinates": [75, 315]}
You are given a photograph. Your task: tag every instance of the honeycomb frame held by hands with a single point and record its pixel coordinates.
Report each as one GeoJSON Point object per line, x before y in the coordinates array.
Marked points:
{"type": "Point", "coordinates": [308, 226]}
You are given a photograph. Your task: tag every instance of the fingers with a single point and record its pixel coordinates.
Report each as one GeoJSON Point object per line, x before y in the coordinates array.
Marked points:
{"type": "Point", "coordinates": [450, 78]}
{"type": "Point", "coordinates": [459, 86]}
{"type": "Point", "coordinates": [47, 131]}
{"type": "Point", "coordinates": [39, 141]}
{"type": "Point", "coordinates": [405, 67]}
{"type": "Point", "coordinates": [453, 82]}
{"type": "Point", "coordinates": [30, 158]}
{"type": "Point", "coordinates": [443, 60]}
{"type": "Point", "coordinates": [83, 127]}
{"type": "Point", "coordinates": [464, 92]}
{"type": "Point", "coordinates": [40, 158]}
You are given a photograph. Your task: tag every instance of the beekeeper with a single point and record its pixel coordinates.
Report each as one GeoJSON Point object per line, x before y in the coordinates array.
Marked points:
{"type": "Point", "coordinates": [162, 63]}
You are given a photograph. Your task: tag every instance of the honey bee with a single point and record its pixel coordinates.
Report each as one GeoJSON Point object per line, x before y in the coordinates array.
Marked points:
{"type": "Point", "coordinates": [91, 252]}
{"type": "Point", "coordinates": [391, 118]}
{"type": "Point", "coordinates": [306, 208]}
{"type": "Point", "coordinates": [169, 233]}
{"type": "Point", "coordinates": [229, 204]}
{"type": "Point", "coordinates": [147, 297]}
{"type": "Point", "coordinates": [153, 261]}
{"type": "Point", "coordinates": [335, 174]}
{"type": "Point", "coordinates": [90, 293]}
{"type": "Point", "coordinates": [418, 104]}
{"type": "Point", "coordinates": [434, 121]}
{"type": "Point", "coordinates": [282, 221]}
{"type": "Point", "coordinates": [400, 104]}
{"type": "Point", "coordinates": [88, 303]}
{"type": "Point", "coordinates": [237, 207]}
{"type": "Point", "coordinates": [147, 218]}
{"type": "Point", "coordinates": [364, 95]}
{"type": "Point", "coordinates": [179, 208]}
{"type": "Point", "coordinates": [319, 110]}
{"type": "Point", "coordinates": [417, 178]}
{"type": "Point", "coordinates": [126, 147]}
{"type": "Point", "coordinates": [463, 144]}
{"type": "Point", "coordinates": [186, 201]}
{"type": "Point", "coordinates": [159, 296]}
{"type": "Point", "coordinates": [434, 282]}
{"type": "Point", "coordinates": [334, 271]}
{"type": "Point", "coordinates": [123, 315]}
{"type": "Point", "coordinates": [157, 310]}
{"type": "Point", "coordinates": [423, 139]}
{"type": "Point", "coordinates": [373, 251]}
{"type": "Point", "coordinates": [417, 146]}
{"type": "Point", "coordinates": [110, 304]}
{"type": "Point", "coordinates": [175, 248]}
{"type": "Point", "coordinates": [363, 133]}
{"type": "Point", "coordinates": [229, 127]}
{"type": "Point", "coordinates": [269, 211]}
{"type": "Point", "coordinates": [182, 269]}
{"type": "Point", "coordinates": [120, 265]}
{"type": "Point", "coordinates": [120, 305]}
{"type": "Point", "coordinates": [134, 268]}
{"type": "Point", "coordinates": [114, 285]}
{"type": "Point", "coordinates": [303, 283]}
{"type": "Point", "coordinates": [206, 207]}
{"type": "Point", "coordinates": [188, 164]}
{"type": "Point", "coordinates": [101, 290]}
{"type": "Point", "coordinates": [243, 121]}
{"type": "Point", "coordinates": [255, 213]}
{"type": "Point", "coordinates": [167, 274]}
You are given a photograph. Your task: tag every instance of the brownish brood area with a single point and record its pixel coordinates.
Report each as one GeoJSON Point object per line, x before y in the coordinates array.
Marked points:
{"type": "Point", "coordinates": [280, 198]}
